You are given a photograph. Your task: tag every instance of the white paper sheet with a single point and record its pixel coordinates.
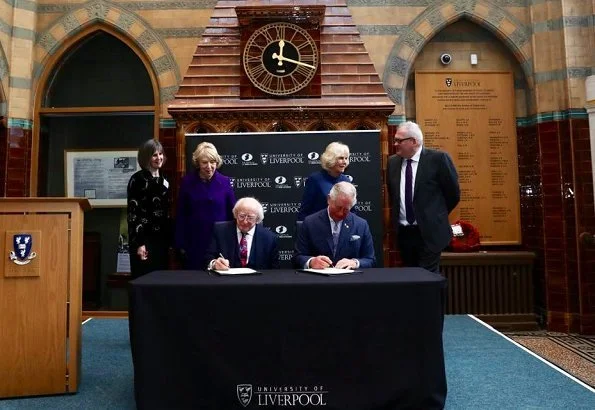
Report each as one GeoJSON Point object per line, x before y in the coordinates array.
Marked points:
{"type": "Point", "coordinates": [329, 271]}
{"type": "Point", "coordinates": [236, 271]}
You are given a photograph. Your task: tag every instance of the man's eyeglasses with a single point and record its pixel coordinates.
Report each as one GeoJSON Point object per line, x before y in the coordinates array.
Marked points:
{"type": "Point", "coordinates": [246, 217]}
{"type": "Point", "coordinates": [402, 140]}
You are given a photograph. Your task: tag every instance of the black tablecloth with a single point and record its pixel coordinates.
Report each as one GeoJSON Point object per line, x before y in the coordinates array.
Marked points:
{"type": "Point", "coordinates": [370, 340]}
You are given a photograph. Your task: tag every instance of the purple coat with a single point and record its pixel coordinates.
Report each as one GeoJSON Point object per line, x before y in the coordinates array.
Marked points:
{"type": "Point", "coordinates": [200, 205]}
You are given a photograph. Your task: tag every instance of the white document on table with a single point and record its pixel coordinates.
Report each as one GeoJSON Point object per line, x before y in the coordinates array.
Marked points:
{"type": "Point", "coordinates": [236, 271]}
{"type": "Point", "coordinates": [329, 271]}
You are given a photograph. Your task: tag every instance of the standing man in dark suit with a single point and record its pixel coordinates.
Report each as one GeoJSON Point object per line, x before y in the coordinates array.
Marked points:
{"type": "Point", "coordinates": [334, 236]}
{"type": "Point", "coordinates": [243, 242]}
{"type": "Point", "coordinates": [423, 189]}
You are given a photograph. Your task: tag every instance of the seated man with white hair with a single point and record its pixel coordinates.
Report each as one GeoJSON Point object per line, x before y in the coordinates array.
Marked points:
{"type": "Point", "coordinates": [243, 242]}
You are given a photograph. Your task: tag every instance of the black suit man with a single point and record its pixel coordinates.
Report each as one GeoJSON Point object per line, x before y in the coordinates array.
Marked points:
{"type": "Point", "coordinates": [243, 242]}
{"type": "Point", "coordinates": [420, 211]}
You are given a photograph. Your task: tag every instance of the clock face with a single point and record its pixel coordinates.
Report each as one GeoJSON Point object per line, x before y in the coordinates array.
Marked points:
{"type": "Point", "coordinates": [280, 58]}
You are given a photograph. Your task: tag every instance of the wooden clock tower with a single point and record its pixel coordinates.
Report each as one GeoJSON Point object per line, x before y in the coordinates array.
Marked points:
{"type": "Point", "coordinates": [296, 65]}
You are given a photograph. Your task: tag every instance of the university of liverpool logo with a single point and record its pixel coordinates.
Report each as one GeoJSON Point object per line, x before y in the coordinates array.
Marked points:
{"type": "Point", "coordinates": [244, 392]}
{"type": "Point", "coordinates": [22, 244]}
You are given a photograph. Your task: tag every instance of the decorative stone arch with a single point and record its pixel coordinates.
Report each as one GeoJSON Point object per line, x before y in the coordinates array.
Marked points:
{"type": "Point", "coordinates": [132, 26]}
{"type": "Point", "coordinates": [505, 26]}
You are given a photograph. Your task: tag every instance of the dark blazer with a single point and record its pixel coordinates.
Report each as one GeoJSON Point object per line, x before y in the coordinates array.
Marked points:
{"type": "Point", "coordinates": [264, 253]}
{"type": "Point", "coordinates": [435, 194]}
{"type": "Point", "coordinates": [315, 238]}
{"type": "Point", "coordinates": [316, 190]}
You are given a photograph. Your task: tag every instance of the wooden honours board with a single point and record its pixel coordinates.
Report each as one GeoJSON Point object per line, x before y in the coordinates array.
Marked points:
{"type": "Point", "coordinates": [470, 115]}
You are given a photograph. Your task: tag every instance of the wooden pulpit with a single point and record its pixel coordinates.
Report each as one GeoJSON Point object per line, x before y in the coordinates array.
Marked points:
{"type": "Point", "coordinates": [40, 295]}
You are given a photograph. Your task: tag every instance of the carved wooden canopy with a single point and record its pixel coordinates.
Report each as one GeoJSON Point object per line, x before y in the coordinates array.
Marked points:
{"type": "Point", "coordinates": [350, 86]}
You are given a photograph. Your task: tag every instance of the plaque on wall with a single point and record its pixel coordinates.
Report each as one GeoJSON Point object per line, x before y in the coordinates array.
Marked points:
{"type": "Point", "coordinates": [470, 115]}
{"type": "Point", "coordinates": [100, 176]}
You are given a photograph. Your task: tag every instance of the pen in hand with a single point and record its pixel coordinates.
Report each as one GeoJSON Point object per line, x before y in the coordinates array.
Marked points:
{"type": "Point", "coordinates": [221, 261]}
{"type": "Point", "coordinates": [226, 263]}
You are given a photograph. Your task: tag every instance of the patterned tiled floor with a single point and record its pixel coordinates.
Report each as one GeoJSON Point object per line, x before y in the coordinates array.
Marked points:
{"type": "Point", "coordinates": [573, 353]}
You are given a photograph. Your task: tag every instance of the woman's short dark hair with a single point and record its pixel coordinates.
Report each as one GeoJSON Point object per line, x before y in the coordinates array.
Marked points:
{"type": "Point", "coordinates": [146, 151]}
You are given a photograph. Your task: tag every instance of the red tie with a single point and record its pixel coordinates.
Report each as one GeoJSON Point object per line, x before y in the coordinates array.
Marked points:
{"type": "Point", "coordinates": [243, 250]}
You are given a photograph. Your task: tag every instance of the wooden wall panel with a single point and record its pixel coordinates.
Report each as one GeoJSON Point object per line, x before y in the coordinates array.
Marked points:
{"type": "Point", "coordinates": [470, 115]}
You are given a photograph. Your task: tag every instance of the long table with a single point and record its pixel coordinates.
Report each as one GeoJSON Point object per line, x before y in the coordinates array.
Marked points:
{"type": "Point", "coordinates": [370, 340]}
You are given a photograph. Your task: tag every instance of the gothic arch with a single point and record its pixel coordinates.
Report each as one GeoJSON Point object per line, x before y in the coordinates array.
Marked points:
{"type": "Point", "coordinates": [101, 13]}
{"type": "Point", "coordinates": [43, 77]}
{"type": "Point", "coordinates": [504, 25]}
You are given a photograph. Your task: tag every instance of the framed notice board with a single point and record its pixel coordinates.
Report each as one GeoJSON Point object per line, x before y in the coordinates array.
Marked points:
{"type": "Point", "coordinates": [99, 175]}
{"type": "Point", "coordinates": [470, 115]}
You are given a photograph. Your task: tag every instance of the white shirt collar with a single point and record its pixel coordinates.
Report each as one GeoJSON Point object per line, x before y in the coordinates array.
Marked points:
{"type": "Point", "coordinates": [415, 158]}
{"type": "Point", "coordinates": [250, 232]}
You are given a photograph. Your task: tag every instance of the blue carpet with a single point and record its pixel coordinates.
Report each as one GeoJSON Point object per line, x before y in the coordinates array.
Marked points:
{"type": "Point", "coordinates": [484, 371]}
{"type": "Point", "coordinates": [107, 376]}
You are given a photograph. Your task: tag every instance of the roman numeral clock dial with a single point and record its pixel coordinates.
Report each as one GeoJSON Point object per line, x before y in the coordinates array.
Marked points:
{"type": "Point", "coordinates": [280, 58]}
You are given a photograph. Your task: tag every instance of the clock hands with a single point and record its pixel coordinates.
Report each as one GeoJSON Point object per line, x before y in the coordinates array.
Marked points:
{"type": "Point", "coordinates": [281, 45]}
{"type": "Point", "coordinates": [289, 60]}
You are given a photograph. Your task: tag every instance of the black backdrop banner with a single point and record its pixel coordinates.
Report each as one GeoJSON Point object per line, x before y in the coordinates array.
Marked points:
{"type": "Point", "coordinates": [273, 167]}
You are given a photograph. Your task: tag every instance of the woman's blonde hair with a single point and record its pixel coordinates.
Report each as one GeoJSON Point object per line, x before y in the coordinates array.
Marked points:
{"type": "Point", "coordinates": [206, 150]}
{"type": "Point", "coordinates": [328, 159]}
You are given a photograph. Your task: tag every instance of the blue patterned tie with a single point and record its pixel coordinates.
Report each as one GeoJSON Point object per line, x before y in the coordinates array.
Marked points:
{"type": "Point", "coordinates": [335, 236]}
{"type": "Point", "coordinates": [409, 212]}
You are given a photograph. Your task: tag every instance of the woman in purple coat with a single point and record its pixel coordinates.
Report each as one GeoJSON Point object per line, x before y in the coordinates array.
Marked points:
{"type": "Point", "coordinates": [205, 197]}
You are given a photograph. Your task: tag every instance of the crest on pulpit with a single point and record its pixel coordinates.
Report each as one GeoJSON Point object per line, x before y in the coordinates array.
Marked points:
{"type": "Point", "coordinates": [22, 244]}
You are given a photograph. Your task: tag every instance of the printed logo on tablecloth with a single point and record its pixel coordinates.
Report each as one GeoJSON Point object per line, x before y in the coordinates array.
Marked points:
{"type": "Point", "coordinates": [282, 396]}
{"type": "Point", "coordinates": [244, 392]}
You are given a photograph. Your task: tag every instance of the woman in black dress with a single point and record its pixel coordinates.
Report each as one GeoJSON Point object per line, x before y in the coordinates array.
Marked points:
{"type": "Point", "coordinates": [149, 223]}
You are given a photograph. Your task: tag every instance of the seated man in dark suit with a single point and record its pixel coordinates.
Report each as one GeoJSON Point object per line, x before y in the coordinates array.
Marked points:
{"type": "Point", "coordinates": [334, 236]}
{"type": "Point", "coordinates": [243, 242]}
